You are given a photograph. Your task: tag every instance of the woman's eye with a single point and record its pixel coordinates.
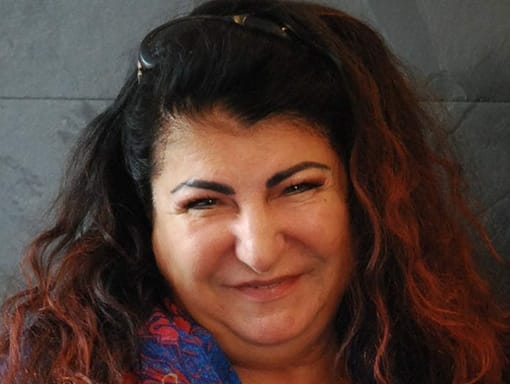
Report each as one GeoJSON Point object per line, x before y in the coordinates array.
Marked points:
{"type": "Point", "coordinates": [205, 203]}
{"type": "Point", "coordinates": [299, 188]}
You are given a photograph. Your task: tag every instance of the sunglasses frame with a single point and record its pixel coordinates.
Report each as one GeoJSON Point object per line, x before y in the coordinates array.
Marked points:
{"type": "Point", "coordinates": [148, 51]}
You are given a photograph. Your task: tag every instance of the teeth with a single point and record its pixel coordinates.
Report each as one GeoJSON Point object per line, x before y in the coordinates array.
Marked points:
{"type": "Point", "coordinates": [265, 286]}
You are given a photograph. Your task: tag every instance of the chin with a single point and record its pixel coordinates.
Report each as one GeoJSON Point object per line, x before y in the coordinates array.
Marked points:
{"type": "Point", "coordinates": [271, 331]}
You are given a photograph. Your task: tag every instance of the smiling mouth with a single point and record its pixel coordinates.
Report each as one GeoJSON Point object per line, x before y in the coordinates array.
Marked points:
{"type": "Point", "coordinates": [264, 286]}
{"type": "Point", "coordinates": [267, 283]}
{"type": "Point", "coordinates": [264, 291]}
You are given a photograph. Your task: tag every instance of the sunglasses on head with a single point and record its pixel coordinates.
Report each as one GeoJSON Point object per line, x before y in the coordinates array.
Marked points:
{"type": "Point", "coordinates": [152, 45]}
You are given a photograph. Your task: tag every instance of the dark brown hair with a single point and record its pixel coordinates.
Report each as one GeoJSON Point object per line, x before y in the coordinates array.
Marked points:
{"type": "Point", "coordinates": [417, 310]}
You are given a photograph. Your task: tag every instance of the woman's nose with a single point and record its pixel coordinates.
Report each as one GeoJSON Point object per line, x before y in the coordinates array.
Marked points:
{"type": "Point", "coordinates": [260, 241]}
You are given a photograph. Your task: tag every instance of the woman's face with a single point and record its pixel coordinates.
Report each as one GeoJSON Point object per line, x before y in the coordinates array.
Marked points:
{"type": "Point", "coordinates": [251, 229]}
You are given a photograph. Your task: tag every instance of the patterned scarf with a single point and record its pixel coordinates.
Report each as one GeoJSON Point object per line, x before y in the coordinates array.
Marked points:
{"type": "Point", "coordinates": [174, 350]}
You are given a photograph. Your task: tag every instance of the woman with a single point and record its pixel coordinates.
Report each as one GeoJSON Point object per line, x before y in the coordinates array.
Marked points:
{"type": "Point", "coordinates": [258, 205]}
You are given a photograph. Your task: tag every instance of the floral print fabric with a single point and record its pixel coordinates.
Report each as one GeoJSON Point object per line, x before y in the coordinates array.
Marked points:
{"type": "Point", "coordinates": [175, 350]}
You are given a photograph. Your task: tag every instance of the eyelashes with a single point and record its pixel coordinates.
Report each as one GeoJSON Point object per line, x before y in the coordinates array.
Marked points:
{"type": "Point", "coordinates": [200, 203]}
{"type": "Point", "coordinates": [295, 189]}
{"type": "Point", "coordinates": [209, 202]}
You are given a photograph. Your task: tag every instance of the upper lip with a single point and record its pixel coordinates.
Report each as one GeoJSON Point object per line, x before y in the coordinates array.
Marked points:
{"type": "Point", "coordinates": [254, 283]}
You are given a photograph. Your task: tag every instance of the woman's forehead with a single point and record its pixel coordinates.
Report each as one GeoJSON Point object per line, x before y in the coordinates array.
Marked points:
{"type": "Point", "coordinates": [217, 132]}
{"type": "Point", "coordinates": [204, 132]}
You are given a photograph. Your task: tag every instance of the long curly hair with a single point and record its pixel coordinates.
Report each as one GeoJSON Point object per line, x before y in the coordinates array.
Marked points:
{"type": "Point", "coordinates": [416, 310]}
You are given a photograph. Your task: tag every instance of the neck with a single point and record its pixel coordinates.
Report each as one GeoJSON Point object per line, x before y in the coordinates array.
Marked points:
{"type": "Point", "coordinates": [316, 366]}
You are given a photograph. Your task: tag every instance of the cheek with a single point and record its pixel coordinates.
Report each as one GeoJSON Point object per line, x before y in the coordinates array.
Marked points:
{"type": "Point", "coordinates": [326, 228]}
{"type": "Point", "coordinates": [186, 254]}
{"type": "Point", "coordinates": [329, 235]}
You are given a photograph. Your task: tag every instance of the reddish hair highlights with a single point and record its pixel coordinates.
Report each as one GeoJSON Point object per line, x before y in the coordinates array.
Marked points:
{"type": "Point", "coordinates": [416, 311]}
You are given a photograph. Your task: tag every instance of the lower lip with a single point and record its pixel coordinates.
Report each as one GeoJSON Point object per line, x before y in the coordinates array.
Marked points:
{"type": "Point", "coordinates": [266, 293]}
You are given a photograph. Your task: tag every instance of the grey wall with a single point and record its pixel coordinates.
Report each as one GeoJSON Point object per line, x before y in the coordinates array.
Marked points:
{"type": "Point", "coordinates": [62, 61]}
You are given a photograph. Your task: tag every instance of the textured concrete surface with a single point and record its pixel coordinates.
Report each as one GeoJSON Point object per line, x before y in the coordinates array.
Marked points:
{"type": "Point", "coordinates": [481, 134]}
{"type": "Point", "coordinates": [35, 138]}
{"type": "Point", "coordinates": [63, 60]}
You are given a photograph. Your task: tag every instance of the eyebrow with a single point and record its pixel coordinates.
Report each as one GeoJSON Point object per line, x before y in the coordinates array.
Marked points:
{"type": "Point", "coordinates": [204, 184]}
{"type": "Point", "coordinates": [273, 181]}
{"type": "Point", "coordinates": [277, 178]}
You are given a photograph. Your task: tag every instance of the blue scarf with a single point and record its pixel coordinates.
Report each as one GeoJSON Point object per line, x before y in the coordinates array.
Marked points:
{"type": "Point", "coordinates": [174, 349]}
